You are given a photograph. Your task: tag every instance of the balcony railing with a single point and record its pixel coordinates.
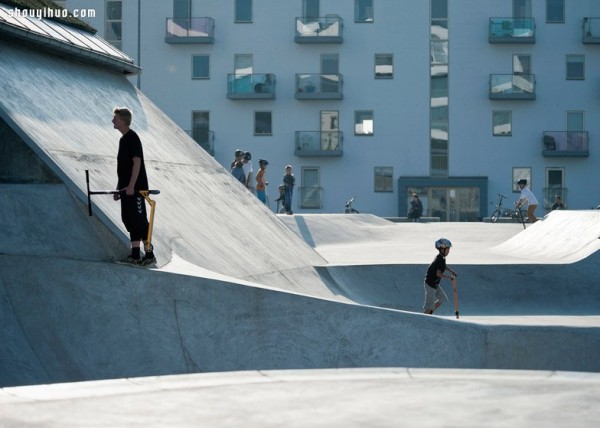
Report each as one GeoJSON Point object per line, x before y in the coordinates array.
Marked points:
{"type": "Point", "coordinates": [591, 30]}
{"type": "Point", "coordinates": [511, 30]}
{"type": "Point", "coordinates": [565, 144]}
{"type": "Point", "coordinates": [314, 86]}
{"type": "Point", "coordinates": [190, 30]}
{"type": "Point", "coordinates": [512, 87]}
{"type": "Point", "coordinates": [318, 143]}
{"type": "Point", "coordinates": [319, 30]}
{"type": "Point", "coordinates": [251, 86]}
{"type": "Point", "coordinates": [311, 197]}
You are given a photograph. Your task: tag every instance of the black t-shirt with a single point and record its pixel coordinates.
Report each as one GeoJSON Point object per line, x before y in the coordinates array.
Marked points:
{"type": "Point", "coordinates": [130, 146]}
{"type": "Point", "coordinates": [431, 278]}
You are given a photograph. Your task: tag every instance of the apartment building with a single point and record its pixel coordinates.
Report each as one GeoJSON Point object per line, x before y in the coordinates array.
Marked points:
{"type": "Point", "coordinates": [452, 99]}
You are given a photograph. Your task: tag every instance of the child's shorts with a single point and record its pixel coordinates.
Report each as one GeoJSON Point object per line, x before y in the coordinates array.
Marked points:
{"type": "Point", "coordinates": [433, 295]}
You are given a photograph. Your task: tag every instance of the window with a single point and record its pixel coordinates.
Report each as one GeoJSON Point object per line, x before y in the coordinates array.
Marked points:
{"type": "Point", "coordinates": [363, 11]}
{"type": "Point", "coordinates": [242, 64]}
{"type": "Point", "coordinates": [201, 130]}
{"type": "Point", "coordinates": [384, 66]}
{"type": "Point", "coordinates": [113, 23]}
{"type": "Point", "coordinates": [522, 64]}
{"type": "Point", "coordinates": [555, 186]}
{"type": "Point", "coordinates": [439, 9]}
{"type": "Point", "coordinates": [384, 179]}
{"type": "Point", "coordinates": [519, 173]}
{"type": "Point", "coordinates": [182, 9]}
{"type": "Point", "coordinates": [502, 123]}
{"type": "Point", "coordinates": [263, 123]}
{"type": "Point", "coordinates": [311, 193]}
{"type": "Point", "coordinates": [200, 67]}
{"type": "Point", "coordinates": [555, 11]}
{"type": "Point", "coordinates": [363, 122]}
{"type": "Point", "coordinates": [575, 121]}
{"type": "Point", "coordinates": [310, 9]}
{"type": "Point", "coordinates": [521, 9]}
{"type": "Point", "coordinates": [575, 67]}
{"type": "Point", "coordinates": [243, 10]}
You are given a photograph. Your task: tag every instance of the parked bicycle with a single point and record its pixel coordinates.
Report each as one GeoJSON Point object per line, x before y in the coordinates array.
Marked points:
{"type": "Point", "coordinates": [517, 214]}
{"type": "Point", "coordinates": [349, 208]}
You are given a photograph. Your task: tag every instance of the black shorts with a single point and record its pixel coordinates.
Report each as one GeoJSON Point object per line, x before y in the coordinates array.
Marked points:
{"type": "Point", "coordinates": [133, 214]}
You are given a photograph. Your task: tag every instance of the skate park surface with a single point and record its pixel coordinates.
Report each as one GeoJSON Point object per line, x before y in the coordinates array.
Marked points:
{"type": "Point", "coordinates": [256, 319]}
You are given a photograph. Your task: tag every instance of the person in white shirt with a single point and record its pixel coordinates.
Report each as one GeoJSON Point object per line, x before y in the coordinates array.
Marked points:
{"type": "Point", "coordinates": [527, 197]}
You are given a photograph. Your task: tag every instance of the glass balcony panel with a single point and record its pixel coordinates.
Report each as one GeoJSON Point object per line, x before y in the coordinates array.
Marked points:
{"type": "Point", "coordinates": [311, 197]}
{"type": "Point", "coordinates": [190, 30]}
{"type": "Point", "coordinates": [319, 86]}
{"type": "Point", "coordinates": [591, 30]}
{"type": "Point", "coordinates": [512, 87]}
{"type": "Point", "coordinates": [251, 86]}
{"type": "Point", "coordinates": [565, 143]}
{"type": "Point", "coordinates": [326, 29]}
{"type": "Point", "coordinates": [318, 143]}
{"type": "Point", "coordinates": [551, 192]}
{"type": "Point", "coordinates": [511, 30]}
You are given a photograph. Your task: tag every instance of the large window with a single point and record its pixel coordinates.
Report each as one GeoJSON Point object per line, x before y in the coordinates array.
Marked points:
{"type": "Point", "coordinates": [200, 67]}
{"type": "Point", "coordinates": [311, 193]}
{"type": "Point", "coordinates": [502, 123]}
{"type": "Point", "coordinates": [363, 11]}
{"type": "Point", "coordinates": [555, 11]}
{"type": "Point", "coordinates": [575, 67]}
{"type": "Point", "coordinates": [363, 122]}
{"type": "Point", "coordinates": [310, 9]}
{"type": "Point", "coordinates": [263, 123]}
{"type": "Point", "coordinates": [113, 23]}
{"type": "Point", "coordinates": [384, 179]}
{"type": "Point", "coordinates": [518, 174]}
{"type": "Point", "coordinates": [243, 10]}
{"type": "Point", "coordinates": [384, 66]}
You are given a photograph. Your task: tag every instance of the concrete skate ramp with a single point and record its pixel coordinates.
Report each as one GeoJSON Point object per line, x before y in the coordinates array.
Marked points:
{"type": "Point", "coordinates": [63, 111]}
{"type": "Point", "coordinates": [547, 269]}
{"type": "Point", "coordinates": [71, 320]}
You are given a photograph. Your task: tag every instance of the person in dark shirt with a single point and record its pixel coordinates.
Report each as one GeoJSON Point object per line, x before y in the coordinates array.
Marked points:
{"type": "Point", "coordinates": [131, 174]}
{"type": "Point", "coordinates": [288, 187]}
{"type": "Point", "coordinates": [434, 295]}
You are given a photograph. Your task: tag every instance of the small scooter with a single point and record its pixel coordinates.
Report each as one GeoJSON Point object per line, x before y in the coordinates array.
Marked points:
{"type": "Point", "coordinates": [349, 208]}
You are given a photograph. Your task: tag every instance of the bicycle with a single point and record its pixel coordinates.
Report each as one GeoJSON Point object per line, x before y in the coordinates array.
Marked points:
{"type": "Point", "coordinates": [498, 211]}
{"type": "Point", "coordinates": [518, 215]}
{"type": "Point", "coordinates": [349, 208]}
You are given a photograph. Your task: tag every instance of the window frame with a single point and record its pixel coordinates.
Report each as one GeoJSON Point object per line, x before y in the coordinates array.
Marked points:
{"type": "Point", "coordinates": [194, 77]}
{"type": "Point", "coordinates": [256, 132]}
{"type": "Point", "coordinates": [567, 62]}
{"type": "Point", "coordinates": [357, 11]}
{"type": "Point", "coordinates": [356, 123]}
{"type": "Point", "coordinates": [560, 21]}
{"type": "Point", "coordinates": [108, 22]}
{"type": "Point", "coordinates": [519, 172]}
{"type": "Point", "coordinates": [496, 113]}
{"type": "Point", "coordinates": [386, 56]}
{"type": "Point", "coordinates": [236, 18]}
{"type": "Point", "coordinates": [387, 180]}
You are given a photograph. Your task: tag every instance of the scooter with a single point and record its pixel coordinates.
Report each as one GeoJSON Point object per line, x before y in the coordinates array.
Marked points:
{"type": "Point", "coordinates": [349, 209]}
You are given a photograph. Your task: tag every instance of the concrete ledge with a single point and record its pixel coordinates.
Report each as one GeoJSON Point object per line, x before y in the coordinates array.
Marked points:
{"type": "Point", "coordinates": [406, 219]}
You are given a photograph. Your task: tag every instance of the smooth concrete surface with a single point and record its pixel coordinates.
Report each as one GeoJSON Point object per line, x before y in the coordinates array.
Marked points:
{"type": "Point", "coordinates": [394, 397]}
{"type": "Point", "coordinates": [239, 288]}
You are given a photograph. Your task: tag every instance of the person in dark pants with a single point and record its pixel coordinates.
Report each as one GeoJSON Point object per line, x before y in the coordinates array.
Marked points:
{"type": "Point", "coordinates": [131, 174]}
{"type": "Point", "coordinates": [416, 208]}
{"type": "Point", "coordinates": [288, 188]}
{"type": "Point", "coordinates": [434, 295]}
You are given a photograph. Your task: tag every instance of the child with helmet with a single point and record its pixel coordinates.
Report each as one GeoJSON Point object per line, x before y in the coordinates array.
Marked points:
{"type": "Point", "coordinates": [528, 197]}
{"type": "Point", "coordinates": [434, 295]}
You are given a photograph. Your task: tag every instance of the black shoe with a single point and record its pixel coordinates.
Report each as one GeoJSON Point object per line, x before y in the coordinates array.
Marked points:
{"type": "Point", "coordinates": [148, 261]}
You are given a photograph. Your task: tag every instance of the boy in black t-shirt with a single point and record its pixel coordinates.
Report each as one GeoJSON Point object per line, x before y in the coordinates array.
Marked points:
{"type": "Point", "coordinates": [131, 173]}
{"type": "Point", "coordinates": [434, 295]}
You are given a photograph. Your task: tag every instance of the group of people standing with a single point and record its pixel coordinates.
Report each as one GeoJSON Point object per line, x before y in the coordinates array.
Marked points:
{"type": "Point", "coordinates": [241, 169]}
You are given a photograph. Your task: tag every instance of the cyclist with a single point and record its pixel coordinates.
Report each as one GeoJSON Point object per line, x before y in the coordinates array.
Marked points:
{"type": "Point", "coordinates": [434, 295]}
{"type": "Point", "coordinates": [528, 197]}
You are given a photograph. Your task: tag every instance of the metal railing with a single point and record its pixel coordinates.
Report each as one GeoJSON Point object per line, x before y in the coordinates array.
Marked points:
{"type": "Point", "coordinates": [511, 30]}
{"type": "Point", "coordinates": [326, 29]}
{"type": "Point", "coordinates": [551, 192]}
{"type": "Point", "coordinates": [190, 30]}
{"type": "Point", "coordinates": [512, 86]}
{"type": "Point", "coordinates": [565, 143]}
{"type": "Point", "coordinates": [591, 30]}
{"type": "Point", "coordinates": [251, 85]}
{"type": "Point", "coordinates": [319, 86]}
{"type": "Point", "coordinates": [318, 143]}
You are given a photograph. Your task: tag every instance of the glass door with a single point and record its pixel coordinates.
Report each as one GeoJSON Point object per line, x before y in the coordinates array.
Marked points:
{"type": "Point", "coordinates": [329, 130]}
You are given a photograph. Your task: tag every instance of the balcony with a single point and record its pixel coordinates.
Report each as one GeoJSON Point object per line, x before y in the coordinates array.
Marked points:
{"type": "Point", "coordinates": [565, 144]}
{"type": "Point", "coordinates": [319, 86]}
{"type": "Point", "coordinates": [318, 143]}
{"type": "Point", "coordinates": [190, 30]}
{"type": "Point", "coordinates": [591, 30]}
{"type": "Point", "coordinates": [251, 86]}
{"type": "Point", "coordinates": [551, 192]}
{"type": "Point", "coordinates": [511, 30]}
{"type": "Point", "coordinates": [512, 87]}
{"type": "Point", "coordinates": [319, 30]}
{"type": "Point", "coordinates": [311, 197]}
